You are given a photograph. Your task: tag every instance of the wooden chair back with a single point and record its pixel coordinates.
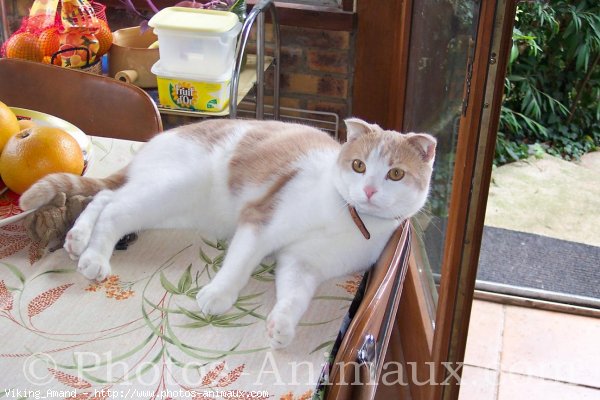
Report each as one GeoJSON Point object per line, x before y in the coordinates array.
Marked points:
{"type": "Point", "coordinates": [98, 105]}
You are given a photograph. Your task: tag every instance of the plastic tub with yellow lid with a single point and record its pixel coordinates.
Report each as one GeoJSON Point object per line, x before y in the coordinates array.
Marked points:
{"type": "Point", "coordinates": [195, 41]}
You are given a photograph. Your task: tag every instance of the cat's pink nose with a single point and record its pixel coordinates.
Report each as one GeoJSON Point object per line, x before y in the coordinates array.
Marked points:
{"type": "Point", "coordinates": [370, 191]}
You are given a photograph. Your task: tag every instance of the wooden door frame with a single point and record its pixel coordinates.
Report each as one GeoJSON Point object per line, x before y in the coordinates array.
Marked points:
{"type": "Point", "coordinates": [468, 204]}
{"type": "Point", "coordinates": [472, 172]}
{"type": "Point", "coordinates": [381, 54]}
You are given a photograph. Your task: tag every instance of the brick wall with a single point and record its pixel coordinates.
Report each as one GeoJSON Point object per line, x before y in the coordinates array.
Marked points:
{"type": "Point", "coordinates": [317, 68]}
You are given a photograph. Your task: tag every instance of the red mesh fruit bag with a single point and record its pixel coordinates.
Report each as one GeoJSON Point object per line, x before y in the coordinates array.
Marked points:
{"type": "Point", "coordinates": [71, 33]}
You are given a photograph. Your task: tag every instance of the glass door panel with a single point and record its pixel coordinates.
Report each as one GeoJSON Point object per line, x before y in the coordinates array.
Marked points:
{"type": "Point", "coordinates": [442, 41]}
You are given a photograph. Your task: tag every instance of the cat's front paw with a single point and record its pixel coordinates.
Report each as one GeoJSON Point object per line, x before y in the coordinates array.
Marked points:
{"type": "Point", "coordinates": [77, 240]}
{"type": "Point", "coordinates": [93, 266]}
{"type": "Point", "coordinates": [280, 329]}
{"type": "Point", "coordinates": [214, 299]}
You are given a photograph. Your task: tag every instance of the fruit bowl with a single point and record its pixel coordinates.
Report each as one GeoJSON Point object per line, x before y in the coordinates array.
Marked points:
{"type": "Point", "coordinates": [9, 201]}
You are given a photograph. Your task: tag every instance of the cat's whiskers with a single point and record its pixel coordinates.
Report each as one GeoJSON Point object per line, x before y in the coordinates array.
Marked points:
{"type": "Point", "coordinates": [426, 212]}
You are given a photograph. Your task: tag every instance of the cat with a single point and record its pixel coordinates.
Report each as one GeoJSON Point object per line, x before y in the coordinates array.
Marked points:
{"type": "Point", "coordinates": [272, 188]}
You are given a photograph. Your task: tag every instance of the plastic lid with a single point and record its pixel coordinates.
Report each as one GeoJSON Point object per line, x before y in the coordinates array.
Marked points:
{"type": "Point", "coordinates": [194, 19]}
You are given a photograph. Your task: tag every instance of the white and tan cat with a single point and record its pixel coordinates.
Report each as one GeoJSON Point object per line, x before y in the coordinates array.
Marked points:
{"type": "Point", "coordinates": [272, 188]}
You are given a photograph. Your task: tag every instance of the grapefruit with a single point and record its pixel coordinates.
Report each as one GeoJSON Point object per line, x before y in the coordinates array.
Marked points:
{"type": "Point", "coordinates": [9, 125]}
{"type": "Point", "coordinates": [36, 152]}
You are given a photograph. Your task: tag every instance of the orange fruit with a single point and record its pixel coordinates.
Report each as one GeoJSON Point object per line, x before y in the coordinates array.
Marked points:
{"type": "Point", "coordinates": [49, 41]}
{"type": "Point", "coordinates": [57, 60]}
{"type": "Point", "coordinates": [9, 125]}
{"type": "Point", "coordinates": [36, 152]}
{"type": "Point", "coordinates": [105, 38]}
{"type": "Point", "coordinates": [24, 45]}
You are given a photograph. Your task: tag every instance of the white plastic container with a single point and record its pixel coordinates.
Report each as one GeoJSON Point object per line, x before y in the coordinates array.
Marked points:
{"type": "Point", "coordinates": [195, 41]}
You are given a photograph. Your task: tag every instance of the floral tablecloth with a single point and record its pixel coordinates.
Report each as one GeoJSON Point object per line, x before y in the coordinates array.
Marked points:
{"type": "Point", "coordinates": [139, 334]}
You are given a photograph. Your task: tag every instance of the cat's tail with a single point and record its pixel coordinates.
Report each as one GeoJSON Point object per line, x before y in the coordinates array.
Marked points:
{"type": "Point", "coordinates": [44, 190]}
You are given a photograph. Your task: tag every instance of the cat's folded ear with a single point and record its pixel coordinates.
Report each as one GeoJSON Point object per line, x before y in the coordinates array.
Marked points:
{"type": "Point", "coordinates": [356, 127]}
{"type": "Point", "coordinates": [425, 143]}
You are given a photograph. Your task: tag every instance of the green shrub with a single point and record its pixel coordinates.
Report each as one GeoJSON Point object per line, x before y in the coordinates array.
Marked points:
{"type": "Point", "coordinates": [552, 89]}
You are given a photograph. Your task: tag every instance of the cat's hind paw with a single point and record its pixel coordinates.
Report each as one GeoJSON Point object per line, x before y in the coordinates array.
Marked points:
{"type": "Point", "coordinates": [280, 330]}
{"type": "Point", "coordinates": [93, 266]}
{"type": "Point", "coordinates": [215, 300]}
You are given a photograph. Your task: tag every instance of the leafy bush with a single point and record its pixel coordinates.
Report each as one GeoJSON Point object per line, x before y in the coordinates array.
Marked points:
{"type": "Point", "coordinates": [552, 89]}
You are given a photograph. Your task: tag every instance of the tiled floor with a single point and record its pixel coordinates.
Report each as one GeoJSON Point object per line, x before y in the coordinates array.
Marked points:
{"type": "Point", "coordinates": [518, 353]}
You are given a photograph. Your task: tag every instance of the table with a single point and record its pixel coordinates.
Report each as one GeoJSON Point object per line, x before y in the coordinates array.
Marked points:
{"type": "Point", "coordinates": [139, 334]}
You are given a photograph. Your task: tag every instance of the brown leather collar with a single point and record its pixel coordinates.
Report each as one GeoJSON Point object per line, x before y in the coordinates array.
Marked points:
{"type": "Point", "coordinates": [359, 223]}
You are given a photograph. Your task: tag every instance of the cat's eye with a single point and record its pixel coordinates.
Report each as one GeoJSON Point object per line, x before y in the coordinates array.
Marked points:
{"type": "Point", "coordinates": [359, 166]}
{"type": "Point", "coordinates": [395, 174]}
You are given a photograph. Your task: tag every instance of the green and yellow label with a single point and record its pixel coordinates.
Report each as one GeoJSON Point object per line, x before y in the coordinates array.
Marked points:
{"type": "Point", "coordinates": [194, 96]}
